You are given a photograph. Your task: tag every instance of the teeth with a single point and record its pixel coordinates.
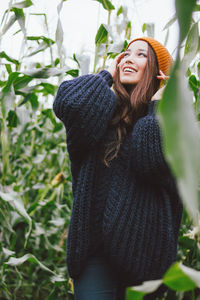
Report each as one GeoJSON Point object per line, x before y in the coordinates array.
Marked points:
{"type": "Point", "coordinates": [129, 70]}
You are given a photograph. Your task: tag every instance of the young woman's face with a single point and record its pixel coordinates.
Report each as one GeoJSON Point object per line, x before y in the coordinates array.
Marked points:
{"type": "Point", "coordinates": [132, 65]}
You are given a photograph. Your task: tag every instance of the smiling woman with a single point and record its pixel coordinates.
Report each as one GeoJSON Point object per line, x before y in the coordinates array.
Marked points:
{"type": "Point", "coordinates": [127, 211]}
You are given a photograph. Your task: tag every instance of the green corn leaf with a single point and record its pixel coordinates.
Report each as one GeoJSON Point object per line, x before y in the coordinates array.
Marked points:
{"type": "Point", "coordinates": [134, 295]}
{"type": "Point", "coordinates": [19, 13]}
{"type": "Point", "coordinates": [128, 30]}
{"type": "Point", "coordinates": [59, 34]}
{"type": "Point", "coordinates": [14, 262]}
{"type": "Point", "coordinates": [43, 46]}
{"type": "Point", "coordinates": [73, 72]}
{"type": "Point", "coordinates": [120, 10]}
{"type": "Point", "coordinates": [8, 68]}
{"type": "Point", "coordinates": [16, 202]}
{"type": "Point", "coordinates": [138, 292]}
{"type": "Point", "coordinates": [21, 81]}
{"type": "Point", "coordinates": [181, 278]}
{"type": "Point", "coordinates": [23, 4]}
{"type": "Point", "coordinates": [8, 58]}
{"type": "Point", "coordinates": [181, 148]}
{"type": "Point", "coordinates": [46, 40]}
{"type": "Point", "coordinates": [9, 24]}
{"type": "Point", "coordinates": [106, 4]}
{"type": "Point", "coordinates": [171, 21]}
{"type": "Point", "coordinates": [197, 7]}
{"type": "Point", "coordinates": [76, 60]}
{"type": "Point", "coordinates": [48, 88]}
{"type": "Point", "coordinates": [45, 72]}
{"type": "Point", "coordinates": [12, 119]}
{"type": "Point", "coordinates": [184, 9]}
{"type": "Point", "coordinates": [144, 26]}
{"type": "Point", "coordinates": [192, 43]}
{"type": "Point", "coordinates": [101, 36]}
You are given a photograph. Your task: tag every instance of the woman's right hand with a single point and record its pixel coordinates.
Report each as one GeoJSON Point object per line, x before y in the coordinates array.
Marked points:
{"type": "Point", "coordinates": [113, 67]}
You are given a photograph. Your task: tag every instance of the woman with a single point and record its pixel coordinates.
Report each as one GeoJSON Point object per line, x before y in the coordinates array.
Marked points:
{"type": "Point", "coordinates": [127, 212]}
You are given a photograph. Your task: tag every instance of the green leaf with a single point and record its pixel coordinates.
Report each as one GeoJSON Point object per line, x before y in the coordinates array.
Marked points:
{"type": "Point", "coordinates": [166, 38]}
{"type": "Point", "coordinates": [19, 13]}
{"type": "Point", "coordinates": [184, 9]}
{"type": "Point", "coordinates": [171, 21]}
{"type": "Point", "coordinates": [46, 40]}
{"type": "Point", "coordinates": [14, 262]}
{"type": "Point", "coordinates": [101, 36]}
{"type": "Point", "coordinates": [21, 81]}
{"type": "Point", "coordinates": [186, 242]}
{"type": "Point", "coordinates": [149, 28]}
{"type": "Point", "coordinates": [106, 4]}
{"type": "Point", "coordinates": [8, 58]}
{"type": "Point", "coordinates": [144, 26]}
{"type": "Point", "coordinates": [23, 4]}
{"type": "Point", "coordinates": [48, 112]}
{"type": "Point", "coordinates": [138, 292]}
{"type": "Point", "coordinates": [134, 295]}
{"type": "Point", "coordinates": [48, 88]}
{"type": "Point", "coordinates": [12, 119]}
{"type": "Point", "coordinates": [34, 101]}
{"type": "Point", "coordinates": [128, 31]}
{"type": "Point", "coordinates": [191, 45]}
{"type": "Point", "coordinates": [42, 46]}
{"type": "Point", "coordinates": [193, 274]}
{"type": "Point", "coordinates": [193, 83]}
{"type": "Point", "coordinates": [44, 72]}
{"type": "Point", "coordinates": [178, 280]}
{"type": "Point", "coordinates": [16, 202]}
{"type": "Point", "coordinates": [9, 24]}
{"type": "Point", "coordinates": [197, 7]}
{"type": "Point", "coordinates": [59, 34]}
{"type": "Point", "coordinates": [73, 73]}
{"type": "Point", "coordinates": [120, 10]}
{"type": "Point", "coordinates": [181, 148]}
{"type": "Point", "coordinates": [8, 68]}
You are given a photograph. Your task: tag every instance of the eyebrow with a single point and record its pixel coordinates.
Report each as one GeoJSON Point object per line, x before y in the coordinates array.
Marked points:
{"type": "Point", "coordinates": [129, 50]}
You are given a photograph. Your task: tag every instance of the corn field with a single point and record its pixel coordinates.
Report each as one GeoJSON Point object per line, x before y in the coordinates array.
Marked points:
{"type": "Point", "coordinates": [35, 185]}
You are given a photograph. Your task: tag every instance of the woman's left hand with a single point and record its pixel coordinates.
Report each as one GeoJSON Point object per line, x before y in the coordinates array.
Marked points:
{"type": "Point", "coordinates": [159, 93]}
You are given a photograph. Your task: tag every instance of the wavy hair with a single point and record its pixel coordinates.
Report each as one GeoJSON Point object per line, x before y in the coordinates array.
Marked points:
{"type": "Point", "coordinates": [131, 106]}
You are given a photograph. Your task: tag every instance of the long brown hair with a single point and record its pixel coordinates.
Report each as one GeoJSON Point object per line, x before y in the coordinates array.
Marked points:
{"type": "Point", "coordinates": [130, 107]}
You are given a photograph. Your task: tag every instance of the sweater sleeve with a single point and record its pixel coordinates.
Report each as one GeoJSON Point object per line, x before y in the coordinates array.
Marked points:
{"type": "Point", "coordinates": [147, 148]}
{"type": "Point", "coordinates": [85, 105]}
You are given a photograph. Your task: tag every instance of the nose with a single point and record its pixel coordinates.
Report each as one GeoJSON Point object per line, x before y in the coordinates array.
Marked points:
{"type": "Point", "coordinates": [130, 59]}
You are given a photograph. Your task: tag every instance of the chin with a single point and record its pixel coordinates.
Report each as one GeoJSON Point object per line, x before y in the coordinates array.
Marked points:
{"type": "Point", "coordinates": [128, 81]}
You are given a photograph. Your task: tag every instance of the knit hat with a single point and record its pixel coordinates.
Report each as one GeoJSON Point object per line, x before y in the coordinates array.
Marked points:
{"type": "Point", "coordinates": [164, 59]}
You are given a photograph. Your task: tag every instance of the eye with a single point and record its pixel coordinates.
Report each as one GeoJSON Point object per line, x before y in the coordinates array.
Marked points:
{"type": "Point", "coordinates": [142, 54]}
{"type": "Point", "coordinates": [126, 54]}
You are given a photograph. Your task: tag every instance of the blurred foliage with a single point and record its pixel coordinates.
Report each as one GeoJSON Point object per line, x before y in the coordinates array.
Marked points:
{"type": "Point", "coordinates": [35, 187]}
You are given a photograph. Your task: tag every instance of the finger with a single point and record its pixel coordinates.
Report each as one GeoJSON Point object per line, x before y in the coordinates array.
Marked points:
{"type": "Point", "coordinates": [165, 77]}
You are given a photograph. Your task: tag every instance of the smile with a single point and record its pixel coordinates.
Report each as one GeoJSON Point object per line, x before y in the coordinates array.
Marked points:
{"type": "Point", "coordinates": [129, 70]}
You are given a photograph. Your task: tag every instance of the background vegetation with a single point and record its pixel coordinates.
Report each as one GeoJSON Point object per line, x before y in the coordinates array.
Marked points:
{"type": "Point", "coordinates": [35, 186]}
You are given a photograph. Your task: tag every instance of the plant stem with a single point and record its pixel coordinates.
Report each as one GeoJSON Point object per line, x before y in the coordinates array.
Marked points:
{"type": "Point", "coordinates": [105, 56]}
{"type": "Point", "coordinates": [5, 150]}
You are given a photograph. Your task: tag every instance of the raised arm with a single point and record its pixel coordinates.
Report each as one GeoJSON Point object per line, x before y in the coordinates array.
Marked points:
{"type": "Point", "coordinates": [147, 148]}
{"type": "Point", "coordinates": [85, 105]}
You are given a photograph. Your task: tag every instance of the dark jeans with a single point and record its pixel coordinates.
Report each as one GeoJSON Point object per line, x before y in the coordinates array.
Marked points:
{"type": "Point", "coordinates": [98, 282]}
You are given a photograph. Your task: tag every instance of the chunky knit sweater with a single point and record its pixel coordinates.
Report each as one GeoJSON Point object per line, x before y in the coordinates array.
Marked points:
{"type": "Point", "coordinates": [129, 212]}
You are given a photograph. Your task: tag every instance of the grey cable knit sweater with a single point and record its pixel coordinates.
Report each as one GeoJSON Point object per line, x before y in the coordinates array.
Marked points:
{"type": "Point", "coordinates": [129, 212]}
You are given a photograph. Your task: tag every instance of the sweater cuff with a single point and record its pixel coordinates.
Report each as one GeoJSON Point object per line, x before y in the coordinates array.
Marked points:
{"type": "Point", "coordinates": [107, 76]}
{"type": "Point", "coordinates": [152, 106]}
